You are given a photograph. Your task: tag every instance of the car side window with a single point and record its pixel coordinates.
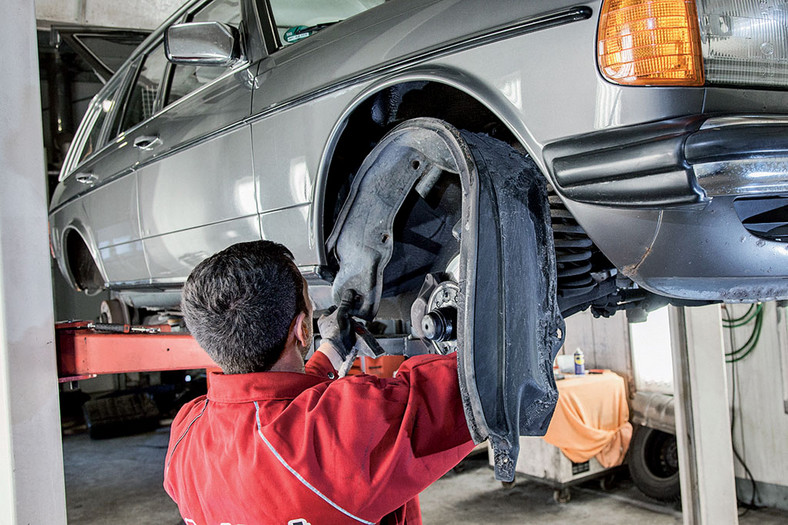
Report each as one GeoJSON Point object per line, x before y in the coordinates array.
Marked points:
{"type": "Point", "coordinates": [299, 19]}
{"type": "Point", "coordinates": [187, 78]}
{"type": "Point", "coordinates": [102, 107]}
{"type": "Point", "coordinates": [143, 97]}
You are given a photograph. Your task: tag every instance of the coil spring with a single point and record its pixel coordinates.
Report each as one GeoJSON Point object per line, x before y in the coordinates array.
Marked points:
{"type": "Point", "coordinates": [573, 250]}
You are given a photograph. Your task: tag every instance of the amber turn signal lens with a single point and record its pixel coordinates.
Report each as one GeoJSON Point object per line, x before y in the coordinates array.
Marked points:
{"type": "Point", "coordinates": [650, 43]}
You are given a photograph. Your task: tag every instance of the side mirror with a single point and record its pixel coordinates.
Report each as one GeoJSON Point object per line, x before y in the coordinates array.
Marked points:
{"type": "Point", "coordinates": [202, 44]}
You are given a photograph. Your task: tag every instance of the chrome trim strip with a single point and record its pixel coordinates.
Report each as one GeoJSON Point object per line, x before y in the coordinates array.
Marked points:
{"type": "Point", "coordinates": [310, 272]}
{"type": "Point", "coordinates": [758, 176]}
{"type": "Point", "coordinates": [144, 285]}
{"type": "Point", "coordinates": [242, 217]}
{"type": "Point", "coordinates": [284, 208]}
{"type": "Point", "coordinates": [745, 120]}
{"type": "Point", "coordinates": [530, 25]}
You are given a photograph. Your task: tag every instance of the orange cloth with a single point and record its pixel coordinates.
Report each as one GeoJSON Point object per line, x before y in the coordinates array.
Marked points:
{"type": "Point", "coordinates": [591, 419]}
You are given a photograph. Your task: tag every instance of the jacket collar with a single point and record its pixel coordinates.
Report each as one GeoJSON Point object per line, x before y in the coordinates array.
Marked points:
{"type": "Point", "coordinates": [244, 388]}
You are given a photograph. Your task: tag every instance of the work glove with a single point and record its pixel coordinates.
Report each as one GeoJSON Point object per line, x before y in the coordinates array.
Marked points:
{"type": "Point", "coordinates": [337, 327]}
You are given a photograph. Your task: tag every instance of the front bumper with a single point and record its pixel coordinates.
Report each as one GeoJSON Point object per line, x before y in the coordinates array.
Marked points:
{"type": "Point", "coordinates": [692, 208]}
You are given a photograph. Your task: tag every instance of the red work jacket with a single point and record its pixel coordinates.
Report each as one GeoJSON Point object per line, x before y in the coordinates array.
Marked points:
{"type": "Point", "coordinates": [295, 449]}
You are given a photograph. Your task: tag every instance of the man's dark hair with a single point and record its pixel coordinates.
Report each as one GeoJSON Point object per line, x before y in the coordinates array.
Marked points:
{"type": "Point", "coordinates": [239, 304]}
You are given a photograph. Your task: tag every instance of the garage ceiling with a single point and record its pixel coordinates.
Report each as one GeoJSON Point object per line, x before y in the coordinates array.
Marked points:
{"type": "Point", "coordinates": [138, 14]}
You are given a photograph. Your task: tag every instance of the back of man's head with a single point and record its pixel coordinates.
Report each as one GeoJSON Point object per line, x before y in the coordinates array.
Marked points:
{"type": "Point", "coordinates": [239, 305]}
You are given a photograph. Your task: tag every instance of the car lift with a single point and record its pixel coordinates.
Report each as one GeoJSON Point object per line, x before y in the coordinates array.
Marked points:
{"type": "Point", "coordinates": [86, 349]}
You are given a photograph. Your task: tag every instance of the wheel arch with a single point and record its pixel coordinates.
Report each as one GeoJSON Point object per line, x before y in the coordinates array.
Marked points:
{"type": "Point", "coordinates": [463, 88]}
{"type": "Point", "coordinates": [80, 262]}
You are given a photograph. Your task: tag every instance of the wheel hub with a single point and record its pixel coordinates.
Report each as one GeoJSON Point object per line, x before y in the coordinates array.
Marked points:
{"type": "Point", "coordinates": [440, 322]}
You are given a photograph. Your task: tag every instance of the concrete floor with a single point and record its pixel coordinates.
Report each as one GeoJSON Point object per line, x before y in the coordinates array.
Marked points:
{"type": "Point", "coordinates": [119, 481]}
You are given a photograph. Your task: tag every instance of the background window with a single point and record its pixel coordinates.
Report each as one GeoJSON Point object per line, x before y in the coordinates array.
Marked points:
{"type": "Point", "coordinates": [652, 357]}
{"type": "Point", "coordinates": [142, 99]}
{"type": "Point", "coordinates": [225, 11]}
{"type": "Point", "coordinates": [187, 78]}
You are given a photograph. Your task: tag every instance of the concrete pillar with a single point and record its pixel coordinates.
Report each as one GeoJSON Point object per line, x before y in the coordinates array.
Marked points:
{"type": "Point", "coordinates": [32, 489]}
{"type": "Point", "coordinates": [703, 428]}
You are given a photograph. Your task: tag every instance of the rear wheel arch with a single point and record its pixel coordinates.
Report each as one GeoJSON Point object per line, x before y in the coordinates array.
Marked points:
{"type": "Point", "coordinates": [81, 264]}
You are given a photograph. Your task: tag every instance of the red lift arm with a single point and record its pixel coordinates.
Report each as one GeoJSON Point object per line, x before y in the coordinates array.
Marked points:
{"type": "Point", "coordinates": [83, 353]}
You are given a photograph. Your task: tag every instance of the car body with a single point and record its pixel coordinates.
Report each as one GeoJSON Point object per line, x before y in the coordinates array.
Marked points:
{"type": "Point", "coordinates": [662, 179]}
{"type": "Point", "coordinates": [649, 136]}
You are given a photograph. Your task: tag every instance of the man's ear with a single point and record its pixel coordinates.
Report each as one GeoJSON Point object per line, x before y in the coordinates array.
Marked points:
{"type": "Point", "coordinates": [300, 330]}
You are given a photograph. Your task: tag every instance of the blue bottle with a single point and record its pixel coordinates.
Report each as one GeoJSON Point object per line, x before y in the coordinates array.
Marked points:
{"type": "Point", "coordinates": [580, 363]}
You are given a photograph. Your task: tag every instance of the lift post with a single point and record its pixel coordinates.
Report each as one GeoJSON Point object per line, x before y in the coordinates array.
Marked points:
{"type": "Point", "coordinates": [703, 432]}
{"type": "Point", "coordinates": [32, 488]}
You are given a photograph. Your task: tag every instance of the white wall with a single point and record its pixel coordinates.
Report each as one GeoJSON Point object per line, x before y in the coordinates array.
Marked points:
{"type": "Point", "coordinates": [604, 341]}
{"type": "Point", "coordinates": [761, 423]}
{"type": "Point", "coordinates": [136, 14]}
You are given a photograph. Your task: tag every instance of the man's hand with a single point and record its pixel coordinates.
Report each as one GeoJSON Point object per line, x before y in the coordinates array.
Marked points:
{"type": "Point", "coordinates": [337, 327]}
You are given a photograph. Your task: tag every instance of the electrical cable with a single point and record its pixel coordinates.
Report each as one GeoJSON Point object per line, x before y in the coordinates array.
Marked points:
{"type": "Point", "coordinates": [734, 380]}
{"type": "Point", "coordinates": [752, 312]}
{"type": "Point", "coordinates": [737, 354]}
{"type": "Point", "coordinates": [738, 319]}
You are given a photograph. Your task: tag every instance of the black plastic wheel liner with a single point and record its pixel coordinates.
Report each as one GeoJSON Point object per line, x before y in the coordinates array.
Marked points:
{"type": "Point", "coordinates": [510, 327]}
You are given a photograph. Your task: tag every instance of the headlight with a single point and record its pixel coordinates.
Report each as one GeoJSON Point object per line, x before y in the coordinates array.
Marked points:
{"type": "Point", "coordinates": [745, 42]}
{"type": "Point", "coordinates": [676, 42]}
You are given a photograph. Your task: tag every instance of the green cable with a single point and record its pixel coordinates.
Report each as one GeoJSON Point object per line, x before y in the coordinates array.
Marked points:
{"type": "Point", "coordinates": [753, 339]}
{"type": "Point", "coordinates": [753, 336]}
{"type": "Point", "coordinates": [737, 319]}
{"type": "Point", "coordinates": [740, 353]}
{"type": "Point", "coordinates": [746, 318]}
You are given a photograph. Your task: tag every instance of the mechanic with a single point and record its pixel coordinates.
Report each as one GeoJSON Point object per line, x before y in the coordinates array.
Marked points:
{"type": "Point", "coordinates": [278, 442]}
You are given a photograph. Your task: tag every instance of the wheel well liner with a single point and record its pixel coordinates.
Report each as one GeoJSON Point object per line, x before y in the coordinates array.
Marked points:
{"type": "Point", "coordinates": [510, 325]}
{"type": "Point", "coordinates": [382, 110]}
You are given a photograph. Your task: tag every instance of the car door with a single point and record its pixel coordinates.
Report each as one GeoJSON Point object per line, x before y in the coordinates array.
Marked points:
{"type": "Point", "coordinates": [195, 178]}
{"type": "Point", "coordinates": [102, 186]}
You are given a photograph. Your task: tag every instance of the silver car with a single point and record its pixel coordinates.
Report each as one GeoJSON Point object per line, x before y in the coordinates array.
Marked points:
{"type": "Point", "coordinates": [478, 169]}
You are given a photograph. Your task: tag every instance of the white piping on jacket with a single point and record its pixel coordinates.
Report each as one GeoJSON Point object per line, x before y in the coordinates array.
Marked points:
{"type": "Point", "coordinates": [297, 475]}
{"type": "Point", "coordinates": [184, 435]}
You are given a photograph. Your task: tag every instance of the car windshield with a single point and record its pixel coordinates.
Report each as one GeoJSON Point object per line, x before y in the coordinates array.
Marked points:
{"type": "Point", "coordinates": [298, 19]}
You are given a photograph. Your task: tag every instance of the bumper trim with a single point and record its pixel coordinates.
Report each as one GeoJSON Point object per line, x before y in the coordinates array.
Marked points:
{"type": "Point", "coordinates": [635, 166]}
{"type": "Point", "coordinates": [734, 142]}
{"type": "Point", "coordinates": [673, 162]}
{"type": "Point", "coordinates": [744, 177]}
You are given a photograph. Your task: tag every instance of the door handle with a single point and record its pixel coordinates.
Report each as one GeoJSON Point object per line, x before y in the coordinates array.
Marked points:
{"type": "Point", "coordinates": [86, 178]}
{"type": "Point", "coordinates": [147, 142]}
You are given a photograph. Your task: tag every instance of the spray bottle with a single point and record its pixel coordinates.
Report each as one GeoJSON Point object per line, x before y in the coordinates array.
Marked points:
{"type": "Point", "coordinates": [580, 363]}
